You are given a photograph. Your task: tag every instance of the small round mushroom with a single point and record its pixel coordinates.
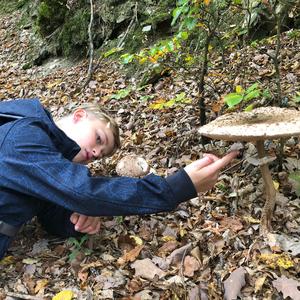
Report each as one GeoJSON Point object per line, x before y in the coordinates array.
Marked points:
{"type": "Point", "coordinates": [256, 126]}
{"type": "Point", "coordinates": [132, 166]}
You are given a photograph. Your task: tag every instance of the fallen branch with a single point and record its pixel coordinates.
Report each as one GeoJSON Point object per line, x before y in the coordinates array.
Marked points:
{"type": "Point", "coordinates": [132, 22]}
{"type": "Point", "coordinates": [91, 47]}
{"type": "Point", "coordinates": [23, 296]}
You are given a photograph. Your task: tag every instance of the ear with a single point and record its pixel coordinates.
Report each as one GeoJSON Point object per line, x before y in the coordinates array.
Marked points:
{"type": "Point", "coordinates": [78, 115]}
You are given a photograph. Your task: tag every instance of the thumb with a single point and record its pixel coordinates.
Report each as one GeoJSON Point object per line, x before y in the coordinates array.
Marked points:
{"type": "Point", "coordinates": [74, 218]}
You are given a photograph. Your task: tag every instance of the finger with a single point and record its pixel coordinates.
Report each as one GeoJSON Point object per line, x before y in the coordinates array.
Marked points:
{"type": "Point", "coordinates": [80, 223]}
{"type": "Point", "coordinates": [74, 218]}
{"type": "Point", "coordinates": [224, 161]}
{"type": "Point", "coordinates": [212, 156]}
{"type": "Point", "coordinates": [203, 162]}
{"type": "Point", "coordinates": [94, 230]}
{"type": "Point", "coordinates": [90, 222]}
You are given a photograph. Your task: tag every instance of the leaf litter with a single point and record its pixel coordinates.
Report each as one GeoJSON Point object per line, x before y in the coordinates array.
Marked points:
{"type": "Point", "coordinates": [206, 249]}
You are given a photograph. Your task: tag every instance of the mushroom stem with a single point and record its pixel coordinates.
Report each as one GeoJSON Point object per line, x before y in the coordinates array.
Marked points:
{"type": "Point", "coordinates": [267, 212]}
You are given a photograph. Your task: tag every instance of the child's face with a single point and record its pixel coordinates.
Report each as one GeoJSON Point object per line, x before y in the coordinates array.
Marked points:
{"type": "Point", "coordinates": [94, 137]}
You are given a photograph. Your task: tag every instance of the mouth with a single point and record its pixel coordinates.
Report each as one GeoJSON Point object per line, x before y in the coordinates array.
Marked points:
{"type": "Point", "coordinates": [88, 156]}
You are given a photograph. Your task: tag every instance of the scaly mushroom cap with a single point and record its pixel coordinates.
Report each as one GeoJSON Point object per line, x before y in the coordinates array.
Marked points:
{"type": "Point", "coordinates": [259, 124]}
{"type": "Point", "coordinates": [132, 166]}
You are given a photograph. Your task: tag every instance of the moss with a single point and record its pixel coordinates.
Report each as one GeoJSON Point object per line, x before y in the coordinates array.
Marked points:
{"type": "Point", "coordinates": [73, 39]}
{"type": "Point", "coordinates": [9, 6]}
{"type": "Point", "coordinates": [51, 15]}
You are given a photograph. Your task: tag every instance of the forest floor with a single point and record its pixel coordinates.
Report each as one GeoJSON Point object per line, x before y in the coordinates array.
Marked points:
{"type": "Point", "coordinates": [191, 252]}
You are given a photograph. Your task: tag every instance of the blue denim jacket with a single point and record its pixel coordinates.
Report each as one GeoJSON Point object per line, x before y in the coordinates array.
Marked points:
{"type": "Point", "coordinates": [36, 170]}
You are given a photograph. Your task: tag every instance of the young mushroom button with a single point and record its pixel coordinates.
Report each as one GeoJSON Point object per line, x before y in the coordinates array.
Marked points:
{"type": "Point", "coordinates": [256, 126]}
{"type": "Point", "coordinates": [132, 166]}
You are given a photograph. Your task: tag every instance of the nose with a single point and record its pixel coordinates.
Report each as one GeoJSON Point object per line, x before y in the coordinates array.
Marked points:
{"type": "Point", "coordinates": [97, 152]}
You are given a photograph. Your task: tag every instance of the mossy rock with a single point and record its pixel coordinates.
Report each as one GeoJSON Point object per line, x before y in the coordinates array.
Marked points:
{"type": "Point", "coordinates": [73, 38]}
{"type": "Point", "coordinates": [50, 15]}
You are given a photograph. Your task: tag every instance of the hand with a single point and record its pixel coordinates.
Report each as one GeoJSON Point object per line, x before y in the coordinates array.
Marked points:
{"type": "Point", "coordinates": [204, 172]}
{"type": "Point", "coordinates": [85, 224]}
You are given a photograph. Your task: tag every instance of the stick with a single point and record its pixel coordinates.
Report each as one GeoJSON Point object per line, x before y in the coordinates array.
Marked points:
{"type": "Point", "coordinates": [91, 48]}
{"type": "Point", "coordinates": [23, 296]}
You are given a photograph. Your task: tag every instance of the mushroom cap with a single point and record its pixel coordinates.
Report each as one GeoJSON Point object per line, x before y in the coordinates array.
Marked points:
{"type": "Point", "coordinates": [132, 166]}
{"type": "Point", "coordinates": [259, 124]}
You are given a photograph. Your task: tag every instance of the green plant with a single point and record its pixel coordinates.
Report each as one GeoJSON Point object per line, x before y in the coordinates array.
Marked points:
{"type": "Point", "coordinates": [77, 246]}
{"type": "Point", "coordinates": [176, 101]}
{"type": "Point", "coordinates": [119, 219]}
{"type": "Point", "coordinates": [121, 94]}
{"type": "Point", "coordinates": [241, 95]}
{"type": "Point", "coordinates": [296, 98]}
{"type": "Point", "coordinates": [296, 177]}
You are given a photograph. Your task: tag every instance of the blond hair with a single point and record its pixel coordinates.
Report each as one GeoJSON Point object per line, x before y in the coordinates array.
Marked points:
{"type": "Point", "coordinates": [99, 113]}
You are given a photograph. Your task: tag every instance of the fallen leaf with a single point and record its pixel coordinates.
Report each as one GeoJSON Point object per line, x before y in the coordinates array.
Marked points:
{"type": "Point", "coordinates": [147, 269]}
{"type": "Point", "coordinates": [259, 282]}
{"type": "Point", "coordinates": [63, 295]}
{"type": "Point", "coordinates": [277, 260]}
{"type": "Point", "coordinates": [131, 255]}
{"type": "Point", "coordinates": [288, 287]}
{"type": "Point", "coordinates": [176, 256]}
{"type": "Point", "coordinates": [40, 285]}
{"type": "Point", "coordinates": [7, 260]}
{"type": "Point", "coordinates": [234, 283]}
{"type": "Point", "coordinates": [285, 243]}
{"type": "Point", "coordinates": [191, 265]}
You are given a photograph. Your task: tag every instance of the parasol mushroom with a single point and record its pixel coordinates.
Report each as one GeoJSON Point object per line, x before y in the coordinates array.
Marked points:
{"type": "Point", "coordinates": [133, 166]}
{"type": "Point", "coordinates": [256, 126]}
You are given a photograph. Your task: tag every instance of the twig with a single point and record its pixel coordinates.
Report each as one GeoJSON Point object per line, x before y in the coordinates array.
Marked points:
{"type": "Point", "coordinates": [23, 296]}
{"type": "Point", "coordinates": [133, 20]}
{"type": "Point", "coordinates": [91, 47]}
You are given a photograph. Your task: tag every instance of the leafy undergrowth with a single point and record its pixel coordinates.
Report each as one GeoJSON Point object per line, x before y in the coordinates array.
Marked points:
{"type": "Point", "coordinates": [209, 248]}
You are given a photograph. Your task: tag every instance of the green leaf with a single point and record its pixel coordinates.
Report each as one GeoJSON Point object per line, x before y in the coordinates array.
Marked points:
{"type": "Point", "coordinates": [252, 87]}
{"type": "Point", "coordinates": [249, 107]}
{"type": "Point", "coordinates": [297, 98]}
{"type": "Point", "coordinates": [233, 99]}
{"type": "Point", "coordinates": [190, 23]}
{"type": "Point", "coordinates": [112, 51]}
{"type": "Point", "coordinates": [252, 95]}
{"type": "Point", "coordinates": [121, 94]}
{"type": "Point", "coordinates": [183, 35]}
{"type": "Point", "coordinates": [127, 58]}
{"type": "Point", "coordinates": [176, 14]}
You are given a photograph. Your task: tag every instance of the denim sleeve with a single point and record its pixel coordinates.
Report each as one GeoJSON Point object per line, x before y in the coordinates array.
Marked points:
{"type": "Point", "coordinates": [35, 168]}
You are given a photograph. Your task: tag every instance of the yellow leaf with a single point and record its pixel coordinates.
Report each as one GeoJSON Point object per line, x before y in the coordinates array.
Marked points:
{"type": "Point", "coordinates": [251, 220]}
{"type": "Point", "coordinates": [182, 232]}
{"type": "Point", "coordinates": [138, 240]}
{"type": "Point", "coordinates": [168, 238]}
{"type": "Point", "coordinates": [63, 295]}
{"type": "Point", "coordinates": [40, 285]}
{"type": "Point", "coordinates": [7, 260]}
{"type": "Point", "coordinates": [277, 260]}
{"type": "Point", "coordinates": [53, 84]}
{"type": "Point", "coordinates": [259, 283]}
{"type": "Point", "coordinates": [206, 2]}
{"type": "Point", "coordinates": [276, 185]}
{"type": "Point", "coordinates": [239, 89]}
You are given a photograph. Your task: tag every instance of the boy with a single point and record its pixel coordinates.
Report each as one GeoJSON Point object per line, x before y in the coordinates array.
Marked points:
{"type": "Point", "coordinates": [42, 173]}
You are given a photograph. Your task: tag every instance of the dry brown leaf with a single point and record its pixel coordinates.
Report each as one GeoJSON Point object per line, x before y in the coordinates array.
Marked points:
{"type": "Point", "coordinates": [167, 248]}
{"type": "Point", "coordinates": [288, 287]}
{"type": "Point", "coordinates": [232, 223]}
{"type": "Point", "coordinates": [234, 283]}
{"type": "Point", "coordinates": [40, 285]}
{"type": "Point", "coordinates": [131, 255]}
{"type": "Point", "coordinates": [176, 256]}
{"type": "Point", "coordinates": [191, 265]}
{"type": "Point", "coordinates": [147, 269]}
